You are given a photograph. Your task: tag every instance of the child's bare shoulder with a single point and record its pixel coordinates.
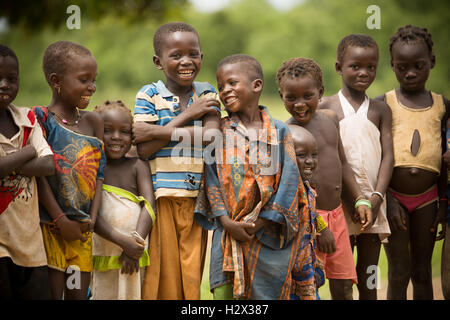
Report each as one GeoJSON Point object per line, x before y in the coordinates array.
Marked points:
{"type": "Point", "coordinates": [379, 98]}
{"type": "Point", "coordinates": [381, 107]}
{"type": "Point", "coordinates": [140, 166]}
{"type": "Point", "coordinates": [329, 102]}
{"type": "Point", "coordinates": [327, 115]}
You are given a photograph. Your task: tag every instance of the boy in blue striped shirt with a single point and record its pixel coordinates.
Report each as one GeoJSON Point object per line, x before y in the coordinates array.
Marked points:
{"type": "Point", "coordinates": [166, 113]}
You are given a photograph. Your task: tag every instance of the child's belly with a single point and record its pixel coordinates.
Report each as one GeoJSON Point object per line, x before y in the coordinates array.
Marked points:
{"type": "Point", "coordinates": [412, 180]}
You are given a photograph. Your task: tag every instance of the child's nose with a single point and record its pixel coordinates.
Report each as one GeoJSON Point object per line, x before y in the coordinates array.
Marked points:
{"type": "Point", "coordinates": [92, 87]}
{"type": "Point", "coordinates": [410, 74]}
{"type": "Point", "coordinates": [185, 60]}
{"type": "Point", "coordinates": [3, 83]}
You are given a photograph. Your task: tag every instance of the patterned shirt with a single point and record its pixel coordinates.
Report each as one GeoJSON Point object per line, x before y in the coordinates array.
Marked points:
{"type": "Point", "coordinates": [176, 168]}
{"type": "Point", "coordinates": [79, 162]}
{"type": "Point", "coordinates": [253, 178]}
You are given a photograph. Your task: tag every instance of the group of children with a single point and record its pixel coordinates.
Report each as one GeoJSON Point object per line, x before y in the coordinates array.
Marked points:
{"type": "Point", "coordinates": [288, 202]}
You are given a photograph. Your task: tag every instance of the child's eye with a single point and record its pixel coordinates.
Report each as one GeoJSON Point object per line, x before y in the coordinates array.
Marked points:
{"type": "Point", "coordinates": [419, 66]}
{"type": "Point", "coordinates": [401, 68]}
{"type": "Point", "coordinates": [372, 68]}
{"type": "Point", "coordinates": [176, 56]}
{"type": "Point", "coordinates": [355, 67]}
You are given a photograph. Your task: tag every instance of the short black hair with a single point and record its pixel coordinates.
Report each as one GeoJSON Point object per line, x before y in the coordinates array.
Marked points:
{"type": "Point", "coordinates": [411, 34]}
{"type": "Point", "coordinates": [299, 67]}
{"type": "Point", "coordinates": [253, 67]}
{"type": "Point", "coordinates": [58, 53]}
{"type": "Point", "coordinates": [8, 52]}
{"type": "Point", "coordinates": [355, 40]}
{"type": "Point", "coordinates": [168, 28]}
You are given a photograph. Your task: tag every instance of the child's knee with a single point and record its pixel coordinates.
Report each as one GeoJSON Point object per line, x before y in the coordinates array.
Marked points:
{"type": "Point", "coordinates": [421, 275]}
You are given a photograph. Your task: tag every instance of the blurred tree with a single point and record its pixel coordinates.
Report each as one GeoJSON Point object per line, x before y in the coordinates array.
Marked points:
{"type": "Point", "coordinates": [35, 15]}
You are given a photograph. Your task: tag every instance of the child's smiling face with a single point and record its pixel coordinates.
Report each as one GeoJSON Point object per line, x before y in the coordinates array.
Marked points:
{"type": "Point", "coordinates": [300, 96]}
{"type": "Point", "coordinates": [181, 58]}
{"type": "Point", "coordinates": [358, 67]}
{"type": "Point", "coordinates": [9, 80]}
{"type": "Point", "coordinates": [306, 152]}
{"type": "Point", "coordinates": [117, 133]}
{"type": "Point", "coordinates": [236, 90]}
{"type": "Point", "coordinates": [412, 63]}
{"type": "Point", "coordinates": [78, 81]}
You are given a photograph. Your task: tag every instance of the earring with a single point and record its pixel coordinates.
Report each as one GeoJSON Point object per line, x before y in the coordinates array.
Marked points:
{"type": "Point", "coordinates": [58, 89]}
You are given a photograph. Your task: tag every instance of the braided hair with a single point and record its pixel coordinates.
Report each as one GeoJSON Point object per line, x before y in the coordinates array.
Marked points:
{"type": "Point", "coordinates": [411, 34]}
{"type": "Point", "coordinates": [297, 67]}
{"type": "Point", "coordinates": [115, 105]}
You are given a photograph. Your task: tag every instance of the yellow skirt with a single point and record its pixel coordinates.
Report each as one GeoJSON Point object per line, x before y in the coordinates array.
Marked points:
{"type": "Point", "coordinates": [62, 254]}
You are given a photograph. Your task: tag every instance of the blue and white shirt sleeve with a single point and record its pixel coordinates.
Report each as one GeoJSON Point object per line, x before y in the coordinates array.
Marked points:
{"type": "Point", "coordinates": [144, 109]}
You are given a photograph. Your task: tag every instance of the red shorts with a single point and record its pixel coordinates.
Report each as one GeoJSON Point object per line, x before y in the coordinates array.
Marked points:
{"type": "Point", "coordinates": [340, 264]}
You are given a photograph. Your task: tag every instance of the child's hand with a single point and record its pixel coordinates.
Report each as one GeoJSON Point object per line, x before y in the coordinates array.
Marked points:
{"type": "Point", "coordinates": [396, 215]}
{"type": "Point", "coordinates": [365, 217]}
{"type": "Point", "coordinates": [201, 107]}
{"type": "Point", "coordinates": [237, 229]}
{"type": "Point", "coordinates": [259, 223]}
{"type": "Point", "coordinates": [129, 266]}
{"type": "Point", "coordinates": [440, 219]}
{"type": "Point", "coordinates": [131, 247]}
{"type": "Point", "coordinates": [326, 242]}
{"type": "Point", "coordinates": [69, 230]}
{"type": "Point", "coordinates": [375, 202]}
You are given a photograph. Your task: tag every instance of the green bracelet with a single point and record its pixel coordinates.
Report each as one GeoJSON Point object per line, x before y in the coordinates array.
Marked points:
{"type": "Point", "coordinates": [363, 202]}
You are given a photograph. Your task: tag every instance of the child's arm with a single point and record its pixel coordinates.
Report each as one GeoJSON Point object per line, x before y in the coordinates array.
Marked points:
{"type": "Point", "coordinates": [97, 123]}
{"type": "Point", "coordinates": [325, 238]}
{"type": "Point", "coordinates": [387, 159]}
{"type": "Point", "coordinates": [70, 230]}
{"type": "Point", "coordinates": [145, 189]}
{"type": "Point", "coordinates": [38, 167]}
{"type": "Point", "coordinates": [363, 213]}
{"type": "Point", "coordinates": [150, 137]}
{"type": "Point", "coordinates": [442, 180]}
{"type": "Point", "coordinates": [95, 205]}
{"type": "Point", "coordinates": [14, 161]}
{"type": "Point", "coordinates": [130, 247]}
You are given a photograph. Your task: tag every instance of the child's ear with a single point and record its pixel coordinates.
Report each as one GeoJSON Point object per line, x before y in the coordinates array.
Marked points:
{"type": "Point", "coordinates": [157, 62]}
{"type": "Point", "coordinates": [257, 85]}
{"type": "Point", "coordinates": [433, 61]}
{"type": "Point", "coordinates": [338, 67]}
{"type": "Point", "coordinates": [321, 90]}
{"type": "Point", "coordinates": [54, 80]}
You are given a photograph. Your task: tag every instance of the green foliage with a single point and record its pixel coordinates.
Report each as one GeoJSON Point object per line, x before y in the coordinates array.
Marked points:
{"type": "Point", "coordinates": [120, 36]}
{"type": "Point", "coordinates": [35, 15]}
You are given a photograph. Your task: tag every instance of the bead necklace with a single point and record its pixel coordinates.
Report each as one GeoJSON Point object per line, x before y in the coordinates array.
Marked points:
{"type": "Point", "coordinates": [65, 121]}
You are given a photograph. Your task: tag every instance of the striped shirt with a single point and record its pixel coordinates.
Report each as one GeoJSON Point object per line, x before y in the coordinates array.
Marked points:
{"type": "Point", "coordinates": [176, 168]}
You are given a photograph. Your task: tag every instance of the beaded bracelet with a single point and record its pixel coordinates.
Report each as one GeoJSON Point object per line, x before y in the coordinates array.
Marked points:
{"type": "Point", "coordinates": [363, 202]}
{"type": "Point", "coordinates": [320, 224]}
